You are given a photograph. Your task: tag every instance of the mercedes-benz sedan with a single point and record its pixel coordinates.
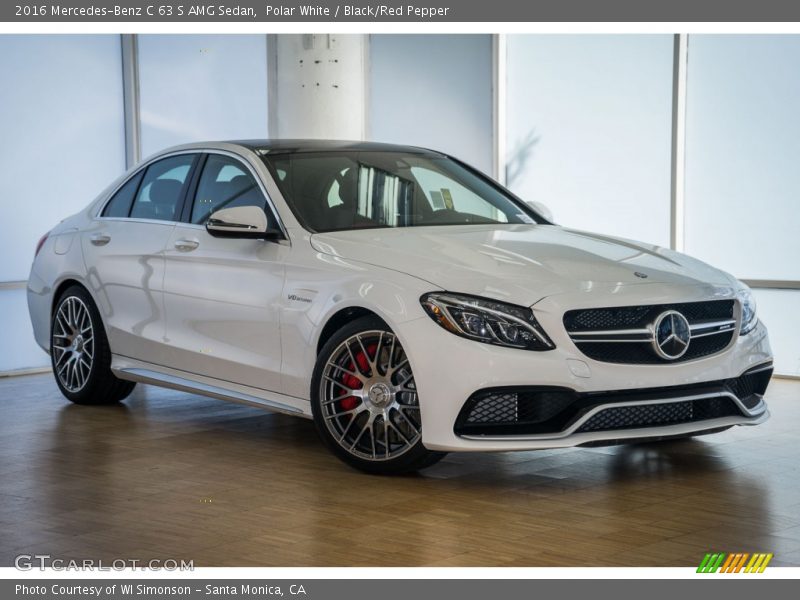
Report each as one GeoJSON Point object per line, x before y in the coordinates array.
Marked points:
{"type": "Point", "coordinates": [407, 303]}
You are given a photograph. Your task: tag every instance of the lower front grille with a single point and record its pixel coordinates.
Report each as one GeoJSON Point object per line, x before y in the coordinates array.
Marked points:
{"type": "Point", "coordinates": [523, 406]}
{"type": "Point", "coordinates": [661, 414]}
{"type": "Point", "coordinates": [551, 410]}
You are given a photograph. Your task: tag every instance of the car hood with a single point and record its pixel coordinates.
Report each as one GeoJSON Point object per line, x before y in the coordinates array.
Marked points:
{"type": "Point", "coordinates": [517, 263]}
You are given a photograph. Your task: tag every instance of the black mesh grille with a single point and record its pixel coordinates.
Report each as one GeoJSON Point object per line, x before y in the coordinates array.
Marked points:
{"type": "Point", "coordinates": [631, 317]}
{"type": "Point", "coordinates": [637, 317]}
{"type": "Point", "coordinates": [504, 410]}
{"type": "Point", "coordinates": [534, 410]}
{"type": "Point", "coordinates": [657, 415]}
{"type": "Point", "coordinates": [750, 387]}
{"type": "Point", "coordinates": [495, 408]}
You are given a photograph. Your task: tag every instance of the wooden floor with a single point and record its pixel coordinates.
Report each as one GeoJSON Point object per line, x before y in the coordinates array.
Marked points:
{"type": "Point", "coordinates": [171, 475]}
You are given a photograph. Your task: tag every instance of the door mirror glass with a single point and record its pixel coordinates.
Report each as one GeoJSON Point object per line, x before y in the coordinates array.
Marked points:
{"type": "Point", "coordinates": [540, 208]}
{"type": "Point", "coordinates": [241, 222]}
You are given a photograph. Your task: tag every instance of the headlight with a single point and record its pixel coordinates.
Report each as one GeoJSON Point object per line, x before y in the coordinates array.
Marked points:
{"type": "Point", "coordinates": [749, 318]}
{"type": "Point", "coordinates": [487, 321]}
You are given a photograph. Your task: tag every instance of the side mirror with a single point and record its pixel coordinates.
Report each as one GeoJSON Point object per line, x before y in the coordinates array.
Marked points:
{"type": "Point", "coordinates": [241, 222]}
{"type": "Point", "coordinates": [540, 208]}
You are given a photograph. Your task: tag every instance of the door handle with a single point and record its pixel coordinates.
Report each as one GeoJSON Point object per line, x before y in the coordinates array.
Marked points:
{"type": "Point", "coordinates": [100, 239]}
{"type": "Point", "coordinates": [186, 245]}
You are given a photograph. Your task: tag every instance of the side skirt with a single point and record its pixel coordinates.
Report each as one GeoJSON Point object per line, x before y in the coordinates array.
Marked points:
{"type": "Point", "coordinates": [143, 372]}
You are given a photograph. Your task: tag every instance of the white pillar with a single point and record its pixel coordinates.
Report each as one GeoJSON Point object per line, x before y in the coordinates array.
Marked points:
{"type": "Point", "coordinates": [319, 86]}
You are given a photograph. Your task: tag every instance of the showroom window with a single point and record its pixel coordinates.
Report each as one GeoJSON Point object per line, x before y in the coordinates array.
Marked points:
{"type": "Point", "coordinates": [62, 143]}
{"type": "Point", "coordinates": [201, 87]}
{"type": "Point", "coordinates": [741, 153]}
{"type": "Point", "coordinates": [120, 205]}
{"type": "Point", "coordinates": [588, 130]}
{"type": "Point", "coordinates": [224, 183]}
{"type": "Point", "coordinates": [162, 188]}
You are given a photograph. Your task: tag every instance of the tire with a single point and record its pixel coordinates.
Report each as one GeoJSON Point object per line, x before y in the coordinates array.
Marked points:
{"type": "Point", "coordinates": [80, 354]}
{"type": "Point", "coordinates": [364, 401]}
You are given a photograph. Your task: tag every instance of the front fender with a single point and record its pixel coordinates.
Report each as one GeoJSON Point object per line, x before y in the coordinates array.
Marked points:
{"type": "Point", "coordinates": [315, 295]}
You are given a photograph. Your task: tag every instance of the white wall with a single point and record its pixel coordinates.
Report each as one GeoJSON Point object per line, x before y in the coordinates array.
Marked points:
{"type": "Point", "coordinates": [433, 91]}
{"type": "Point", "coordinates": [778, 309]}
{"type": "Point", "coordinates": [321, 87]}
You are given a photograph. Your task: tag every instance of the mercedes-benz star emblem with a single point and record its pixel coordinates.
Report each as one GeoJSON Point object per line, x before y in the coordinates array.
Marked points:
{"type": "Point", "coordinates": [671, 335]}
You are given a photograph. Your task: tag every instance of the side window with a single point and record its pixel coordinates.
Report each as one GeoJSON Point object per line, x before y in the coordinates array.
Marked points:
{"type": "Point", "coordinates": [120, 205]}
{"type": "Point", "coordinates": [224, 183]}
{"type": "Point", "coordinates": [161, 188]}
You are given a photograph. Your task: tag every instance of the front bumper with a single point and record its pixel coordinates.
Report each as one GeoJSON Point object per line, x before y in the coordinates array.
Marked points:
{"type": "Point", "coordinates": [449, 370]}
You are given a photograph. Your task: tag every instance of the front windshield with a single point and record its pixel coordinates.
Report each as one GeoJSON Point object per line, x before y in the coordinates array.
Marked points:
{"type": "Point", "coordinates": [341, 190]}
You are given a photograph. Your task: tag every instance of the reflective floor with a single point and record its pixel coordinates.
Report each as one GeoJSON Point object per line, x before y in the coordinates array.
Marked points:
{"type": "Point", "coordinates": [171, 475]}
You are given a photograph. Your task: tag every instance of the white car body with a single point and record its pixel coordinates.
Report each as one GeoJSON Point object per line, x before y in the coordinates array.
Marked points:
{"type": "Point", "coordinates": [241, 320]}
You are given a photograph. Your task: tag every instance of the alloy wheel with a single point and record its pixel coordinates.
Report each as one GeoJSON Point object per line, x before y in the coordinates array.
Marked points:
{"type": "Point", "coordinates": [369, 398]}
{"type": "Point", "coordinates": [73, 343]}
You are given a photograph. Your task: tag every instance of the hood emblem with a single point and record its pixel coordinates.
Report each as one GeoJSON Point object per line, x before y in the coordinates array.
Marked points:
{"type": "Point", "coordinates": [671, 335]}
{"type": "Point", "coordinates": [640, 275]}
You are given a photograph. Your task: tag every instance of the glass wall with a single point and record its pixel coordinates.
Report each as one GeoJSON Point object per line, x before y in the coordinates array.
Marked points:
{"type": "Point", "coordinates": [433, 91]}
{"type": "Point", "coordinates": [742, 175]}
{"type": "Point", "coordinates": [589, 130]}
{"type": "Point", "coordinates": [743, 154]}
{"type": "Point", "coordinates": [62, 143]}
{"type": "Point", "coordinates": [64, 147]}
{"type": "Point", "coordinates": [202, 87]}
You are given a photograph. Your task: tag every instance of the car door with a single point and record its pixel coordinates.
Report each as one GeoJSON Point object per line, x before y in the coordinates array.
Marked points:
{"type": "Point", "coordinates": [222, 294]}
{"type": "Point", "coordinates": [124, 255]}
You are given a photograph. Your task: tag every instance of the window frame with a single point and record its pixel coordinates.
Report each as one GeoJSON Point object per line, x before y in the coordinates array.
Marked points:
{"type": "Point", "coordinates": [139, 174]}
{"type": "Point", "coordinates": [189, 198]}
{"type": "Point", "coordinates": [142, 169]}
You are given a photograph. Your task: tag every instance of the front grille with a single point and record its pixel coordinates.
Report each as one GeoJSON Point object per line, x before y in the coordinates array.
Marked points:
{"type": "Point", "coordinates": [618, 345]}
{"type": "Point", "coordinates": [548, 410]}
{"type": "Point", "coordinates": [659, 415]}
{"type": "Point", "coordinates": [632, 317]}
{"type": "Point", "coordinates": [642, 353]}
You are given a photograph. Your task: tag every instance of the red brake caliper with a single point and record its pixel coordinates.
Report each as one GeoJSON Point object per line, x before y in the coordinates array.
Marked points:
{"type": "Point", "coordinates": [354, 382]}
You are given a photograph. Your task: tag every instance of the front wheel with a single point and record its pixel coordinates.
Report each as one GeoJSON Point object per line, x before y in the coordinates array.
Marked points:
{"type": "Point", "coordinates": [365, 402]}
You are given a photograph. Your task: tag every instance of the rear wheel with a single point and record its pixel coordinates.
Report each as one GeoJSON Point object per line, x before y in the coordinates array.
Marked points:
{"type": "Point", "coordinates": [365, 403]}
{"type": "Point", "coordinates": [80, 354]}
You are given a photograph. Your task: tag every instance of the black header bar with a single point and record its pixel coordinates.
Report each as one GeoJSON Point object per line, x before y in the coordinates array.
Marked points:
{"type": "Point", "coordinates": [431, 11]}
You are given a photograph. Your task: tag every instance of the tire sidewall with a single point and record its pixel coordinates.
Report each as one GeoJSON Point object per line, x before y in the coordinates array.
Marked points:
{"type": "Point", "coordinates": [86, 392]}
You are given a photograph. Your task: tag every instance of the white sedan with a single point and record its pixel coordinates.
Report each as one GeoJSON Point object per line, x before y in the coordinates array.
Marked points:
{"type": "Point", "coordinates": [407, 303]}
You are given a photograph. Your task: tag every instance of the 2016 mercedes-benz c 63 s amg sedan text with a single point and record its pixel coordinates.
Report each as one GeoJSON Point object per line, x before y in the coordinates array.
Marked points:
{"type": "Point", "coordinates": [407, 303]}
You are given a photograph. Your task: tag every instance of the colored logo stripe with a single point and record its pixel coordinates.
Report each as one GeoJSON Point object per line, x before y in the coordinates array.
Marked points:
{"type": "Point", "coordinates": [734, 562]}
